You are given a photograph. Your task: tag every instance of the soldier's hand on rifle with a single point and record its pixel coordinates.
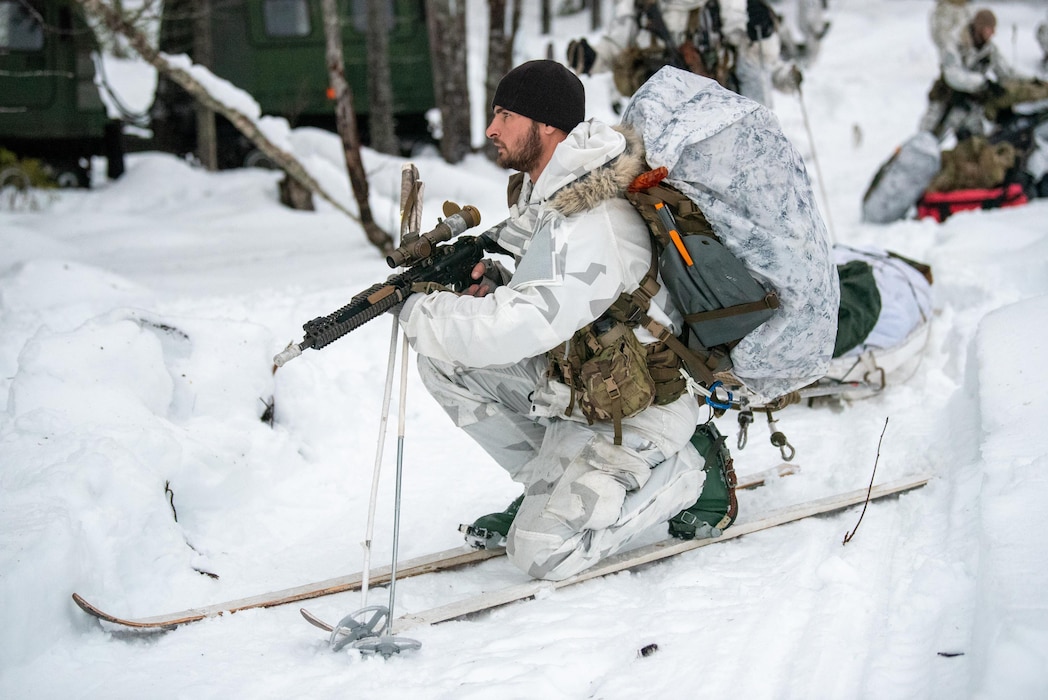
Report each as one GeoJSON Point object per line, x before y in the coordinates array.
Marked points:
{"type": "Point", "coordinates": [488, 274]}
{"type": "Point", "coordinates": [482, 286]}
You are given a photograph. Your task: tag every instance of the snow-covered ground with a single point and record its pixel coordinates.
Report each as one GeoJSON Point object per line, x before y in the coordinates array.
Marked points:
{"type": "Point", "coordinates": [138, 322]}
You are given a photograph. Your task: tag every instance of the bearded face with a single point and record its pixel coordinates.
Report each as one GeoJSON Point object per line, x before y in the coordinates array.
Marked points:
{"type": "Point", "coordinates": [522, 156]}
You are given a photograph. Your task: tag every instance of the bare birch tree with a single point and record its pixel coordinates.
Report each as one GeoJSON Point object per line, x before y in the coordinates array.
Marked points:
{"type": "Point", "coordinates": [446, 21]}
{"type": "Point", "coordinates": [203, 53]}
{"type": "Point", "coordinates": [502, 34]}
{"type": "Point", "coordinates": [346, 122]}
{"type": "Point", "coordinates": [381, 120]}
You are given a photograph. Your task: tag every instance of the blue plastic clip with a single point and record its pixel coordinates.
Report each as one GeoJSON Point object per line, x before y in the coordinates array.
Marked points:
{"type": "Point", "coordinates": [717, 404]}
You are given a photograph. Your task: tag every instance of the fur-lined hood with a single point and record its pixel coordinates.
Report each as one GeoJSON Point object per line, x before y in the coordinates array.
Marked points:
{"type": "Point", "coordinates": [609, 168]}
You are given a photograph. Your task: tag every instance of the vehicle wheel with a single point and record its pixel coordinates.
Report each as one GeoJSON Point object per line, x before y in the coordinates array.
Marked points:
{"type": "Point", "coordinates": [72, 175]}
{"type": "Point", "coordinates": [16, 178]}
{"type": "Point", "coordinates": [114, 149]}
{"type": "Point", "coordinates": [257, 159]}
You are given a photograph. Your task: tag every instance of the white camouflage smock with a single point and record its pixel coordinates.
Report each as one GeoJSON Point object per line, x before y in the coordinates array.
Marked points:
{"type": "Point", "coordinates": [965, 68]}
{"type": "Point", "coordinates": [578, 245]}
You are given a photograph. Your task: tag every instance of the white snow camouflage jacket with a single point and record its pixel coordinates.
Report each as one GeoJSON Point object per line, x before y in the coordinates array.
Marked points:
{"type": "Point", "coordinates": [578, 244]}
{"type": "Point", "coordinates": [965, 67]}
{"type": "Point", "coordinates": [729, 155]}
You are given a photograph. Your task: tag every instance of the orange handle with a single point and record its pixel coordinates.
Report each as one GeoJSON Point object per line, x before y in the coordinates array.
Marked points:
{"type": "Point", "coordinates": [671, 227]}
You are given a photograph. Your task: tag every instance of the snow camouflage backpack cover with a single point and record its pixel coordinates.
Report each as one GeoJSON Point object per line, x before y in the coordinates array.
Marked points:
{"type": "Point", "coordinates": [729, 156]}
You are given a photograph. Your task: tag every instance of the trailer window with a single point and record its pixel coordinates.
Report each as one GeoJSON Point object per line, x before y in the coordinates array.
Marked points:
{"type": "Point", "coordinates": [359, 13]}
{"type": "Point", "coordinates": [19, 30]}
{"type": "Point", "coordinates": [284, 18]}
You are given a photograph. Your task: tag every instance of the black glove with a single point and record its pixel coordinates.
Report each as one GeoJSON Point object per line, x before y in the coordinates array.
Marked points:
{"type": "Point", "coordinates": [581, 56]}
{"type": "Point", "coordinates": [762, 20]}
{"type": "Point", "coordinates": [495, 275]}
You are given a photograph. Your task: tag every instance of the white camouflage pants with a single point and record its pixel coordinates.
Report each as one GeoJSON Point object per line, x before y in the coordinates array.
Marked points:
{"type": "Point", "coordinates": [585, 497]}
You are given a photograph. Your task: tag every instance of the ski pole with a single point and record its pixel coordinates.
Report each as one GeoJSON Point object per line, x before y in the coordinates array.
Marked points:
{"type": "Point", "coordinates": [401, 420]}
{"type": "Point", "coordinates": [815, 161]}
{"type": "Point", "coordinates": [410, 222]}
{"type": "Point", "coordinates": [387, 643]}
{"type": "Point", "coordinates": [383, 421]}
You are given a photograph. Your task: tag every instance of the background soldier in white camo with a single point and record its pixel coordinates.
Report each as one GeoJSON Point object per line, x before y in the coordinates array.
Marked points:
{"type": "Point", "coordinates": [743, 36]}
{"type": "Point", "coordinates": [972, 70]}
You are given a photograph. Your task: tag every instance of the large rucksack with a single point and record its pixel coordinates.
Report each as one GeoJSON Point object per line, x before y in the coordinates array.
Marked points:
{"type": "Point", "coordinates": [902, 179]}
{"type": "Point", "coordinates": [732, 173]}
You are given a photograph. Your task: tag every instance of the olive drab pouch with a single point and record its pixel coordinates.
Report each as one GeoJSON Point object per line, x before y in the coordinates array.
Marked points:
{"type": "Point", "coordinates": [634, 65]}
{"type": "Point", "coordinates": [1015, 92]}
{"type": "Point", "coordinates": [605, 365]}
{"type": "Point", "coordinates": [664, 366]}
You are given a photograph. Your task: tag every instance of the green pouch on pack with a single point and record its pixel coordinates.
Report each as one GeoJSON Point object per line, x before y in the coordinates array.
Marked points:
{"type": "Point", "coordinates": [860, 305]}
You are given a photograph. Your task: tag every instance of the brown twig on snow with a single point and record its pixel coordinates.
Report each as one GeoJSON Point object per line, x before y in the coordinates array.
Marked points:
{"type": "Point", "coordinates": [847, 537]}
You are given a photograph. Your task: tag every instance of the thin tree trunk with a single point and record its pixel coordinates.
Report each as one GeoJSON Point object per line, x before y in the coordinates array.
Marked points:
{"type": "Point", "coordinates": [501, 37]}
{"type": "Point", "coordinates": [115, 46]}
{"type": "Point", "coordinates": [346, 121]}
{"type": "Point", "coordinates": [203, 53]}
{"type": "Point", "coordinates": [446, 21]}
{"type": "Point", "coordinates": [381, 121]}
{"type": "Point", "coordinates": [285, 161]}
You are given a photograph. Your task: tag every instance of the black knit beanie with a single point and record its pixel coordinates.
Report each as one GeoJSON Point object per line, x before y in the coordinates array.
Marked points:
{"type": "Point", "coordinates": [544, 91]}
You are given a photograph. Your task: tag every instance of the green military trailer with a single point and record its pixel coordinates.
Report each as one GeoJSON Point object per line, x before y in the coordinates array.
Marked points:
{"type": "Point", "coordinates": [50, 107]}
{"type": "Point", "coordinates": [275, 51]}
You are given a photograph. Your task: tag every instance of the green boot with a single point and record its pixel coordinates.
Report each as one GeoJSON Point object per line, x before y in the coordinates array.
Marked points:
{"type": "Point", "coordinates": [716, 508]}
{"type": "Point", "coordinates": [489, 531]}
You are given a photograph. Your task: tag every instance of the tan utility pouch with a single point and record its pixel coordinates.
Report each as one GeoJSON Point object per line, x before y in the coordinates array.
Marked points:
{"type": "Point", "coordinates": [607, 373]}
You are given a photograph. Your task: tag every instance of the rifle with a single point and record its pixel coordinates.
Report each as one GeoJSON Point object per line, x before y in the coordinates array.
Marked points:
{"type": "Point", "coordinates": [649, 10]}
{"type": "Point", "coordinates": [427, 262]}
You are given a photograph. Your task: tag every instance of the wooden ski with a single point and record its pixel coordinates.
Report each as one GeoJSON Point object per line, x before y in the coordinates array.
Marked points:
{"type": "Point", "coordinates": [640, 556]}
{"type": "Point", "coordinates": [439, 561]}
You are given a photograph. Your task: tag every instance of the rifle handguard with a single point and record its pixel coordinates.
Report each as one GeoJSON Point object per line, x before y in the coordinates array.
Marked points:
{"type": "Point", "coordinates": [447, 266]}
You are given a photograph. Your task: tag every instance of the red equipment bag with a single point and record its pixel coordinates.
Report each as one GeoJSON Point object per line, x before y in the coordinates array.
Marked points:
{"type": "Point", "coordinates": [941, 205]}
